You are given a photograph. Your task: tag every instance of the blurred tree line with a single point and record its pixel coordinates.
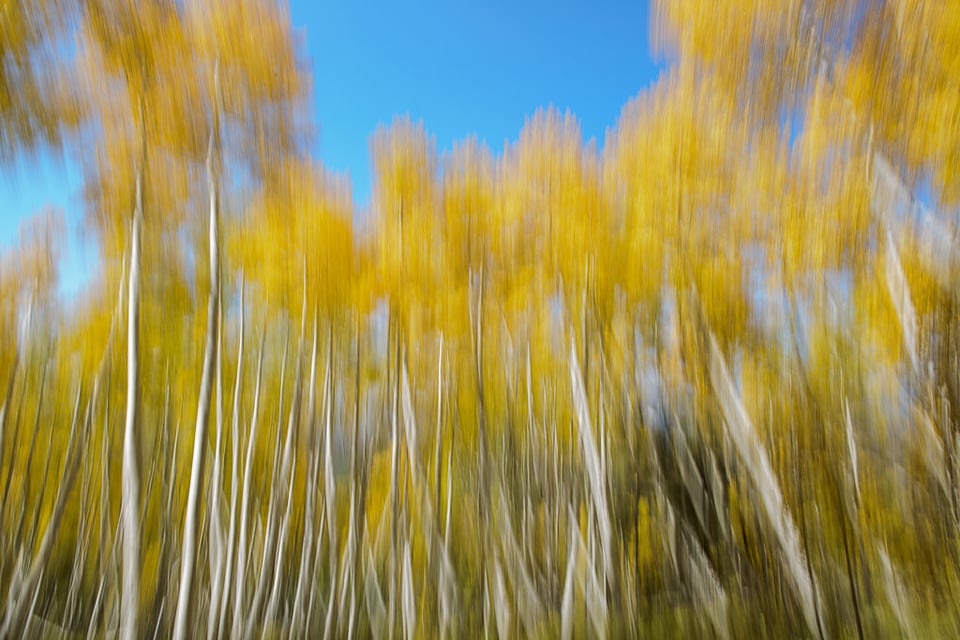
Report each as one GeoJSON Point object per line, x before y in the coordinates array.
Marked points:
{"type": "Point", "coordinates": [704, 380]}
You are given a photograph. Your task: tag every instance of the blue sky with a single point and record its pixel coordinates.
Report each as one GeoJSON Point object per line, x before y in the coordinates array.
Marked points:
{"type": "Point", "coordinates": [467, 68]}
{"type": "Point", "coordinates": [47, 180]}
{"type": "Point", "coordinates": [463, 68]}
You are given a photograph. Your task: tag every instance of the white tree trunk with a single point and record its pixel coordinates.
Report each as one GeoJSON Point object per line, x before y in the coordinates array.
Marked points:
{"type": "Point", "coordinates": [130, 498]}
{"type": "Point", "coordinates": [234, 465]}
{"type": "Point", "coordinates": [242, 548]}
{"type": "Point", "coordinates": [188, 555]}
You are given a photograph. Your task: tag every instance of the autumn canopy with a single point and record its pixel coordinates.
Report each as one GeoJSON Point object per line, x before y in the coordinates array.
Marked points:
{"type": "Point", "coordinates": [702, 379]}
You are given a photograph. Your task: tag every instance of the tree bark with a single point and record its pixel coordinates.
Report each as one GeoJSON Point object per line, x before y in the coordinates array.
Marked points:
{"type": "Point", "coordinates": [242, 547]}
{"type": "Point", "coordinates": [189, 545]}
{"type": "Point", "coordinates": [234, 466]}
{"type": "Point", "coordinates": [130, 498]}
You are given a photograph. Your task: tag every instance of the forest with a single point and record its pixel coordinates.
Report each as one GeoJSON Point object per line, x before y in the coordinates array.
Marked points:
{"type": "Point", "coordinates": [702, 380]}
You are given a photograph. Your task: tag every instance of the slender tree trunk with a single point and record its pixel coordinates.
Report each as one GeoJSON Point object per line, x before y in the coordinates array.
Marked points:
{"type": "Point", "coordinates": [188, 554]}
{"type": "Point", "coordinates": [130, 498]}
{"type": "Point", "coordinates": [394, 486]}
{"type": "Point", "coordinates": [234, 466]}
{"type": "Point", "coordinates": [214, 494]}
{"type": "Point", "coordinates": [242, 550]}
{"type": "Point", "coordinates": [437, 440]}
{"type": "Point", "coordinates": [305, 577]}
{"type": "Point", "coordinates": [358, 485]}
{"type": "Point", "coordinates": [330, 489]}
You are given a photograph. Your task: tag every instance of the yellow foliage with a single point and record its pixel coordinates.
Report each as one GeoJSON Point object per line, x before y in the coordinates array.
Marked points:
{"type": "Point", "coordinates": [297, 240]}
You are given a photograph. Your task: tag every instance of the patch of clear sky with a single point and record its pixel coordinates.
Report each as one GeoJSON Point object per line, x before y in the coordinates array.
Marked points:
{"type": "Point", "coordinates": [462, 68]}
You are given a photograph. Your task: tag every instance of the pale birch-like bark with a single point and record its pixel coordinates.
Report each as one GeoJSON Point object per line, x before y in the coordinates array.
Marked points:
{"type": "Point", "coordinates": [234, 465]}
{"type": "Point", "coordinates": [394, 491]}
{"type": "Point", "coordinates": [241, 576]}
{"type": "Point", "coordinates": [216, 544]}
{"type": "Point", "coordinates": [330, 493]}
{"type": "Point", "coordinates": [130, 497]}
{"type": "Point", "coordinates": [357, 493]}
{"type": "Point", "coordinates": [318, 551]}
{"type": "Point", "coordinates": [188, 552]}
{"type": "Point", "coordinates": [305, 575]}
{"type": "Point", "coordinates": [437, 438]}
